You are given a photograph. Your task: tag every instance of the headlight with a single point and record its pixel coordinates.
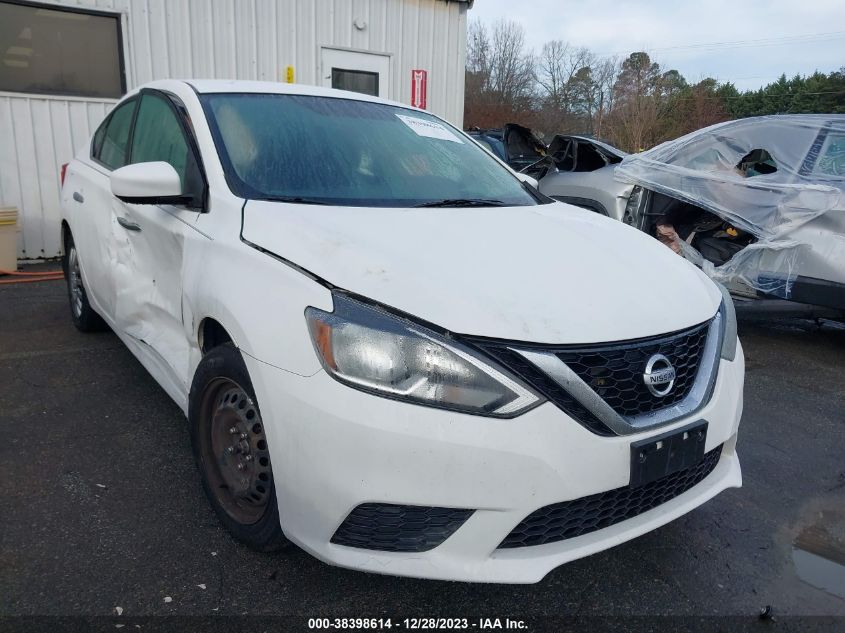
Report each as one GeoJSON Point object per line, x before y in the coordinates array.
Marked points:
{"type": "Point", "coordinates": [370, 349]}
{"type": "Point", "coordinates": [728, 312]}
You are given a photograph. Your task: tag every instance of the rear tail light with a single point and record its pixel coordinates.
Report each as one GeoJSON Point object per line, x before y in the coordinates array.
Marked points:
{"type": "Point", "coordinates": [62, 173]}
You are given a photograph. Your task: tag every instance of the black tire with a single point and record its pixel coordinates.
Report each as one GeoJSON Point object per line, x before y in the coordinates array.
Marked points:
{"type": "Point", "coordinates": [222, 399]}
{"type": "Point", "coordinates": [83, 315]}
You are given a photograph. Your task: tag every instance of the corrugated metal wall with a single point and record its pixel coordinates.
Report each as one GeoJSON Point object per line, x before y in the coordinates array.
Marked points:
{"type": "Point", "coordinates": [242, 39]}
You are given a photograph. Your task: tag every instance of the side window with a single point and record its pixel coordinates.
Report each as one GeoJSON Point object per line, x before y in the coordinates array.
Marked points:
{"type": "Point", "coordinates": [112, 150]}
{"type": "Point", "coordinates": [97, 142]}
{"type": "Point", "coordinates": [158, 136]}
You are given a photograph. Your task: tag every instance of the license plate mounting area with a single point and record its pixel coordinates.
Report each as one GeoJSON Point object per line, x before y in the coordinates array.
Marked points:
{"type": "Point", "coordinates": [668, 453]}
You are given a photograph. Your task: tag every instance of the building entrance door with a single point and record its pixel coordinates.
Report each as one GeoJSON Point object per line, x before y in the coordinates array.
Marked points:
{"type": "Point", "coordinates": [368, 73]}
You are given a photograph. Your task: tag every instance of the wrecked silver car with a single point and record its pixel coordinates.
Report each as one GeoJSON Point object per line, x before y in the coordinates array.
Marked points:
{"type": "Point", "coordinates": [757, 203]}
{"type": "Point", "coordinates": [583, 175]}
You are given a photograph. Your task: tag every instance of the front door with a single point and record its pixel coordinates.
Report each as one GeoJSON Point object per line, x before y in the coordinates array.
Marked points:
{"type": "Point", "coordinates": [149, 306]}
{"type": "Point", "coordinates": [367, 73]}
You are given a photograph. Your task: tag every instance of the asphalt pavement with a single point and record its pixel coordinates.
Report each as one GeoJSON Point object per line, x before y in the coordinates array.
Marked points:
{"type": "Point", "coordinates": [101, 505]}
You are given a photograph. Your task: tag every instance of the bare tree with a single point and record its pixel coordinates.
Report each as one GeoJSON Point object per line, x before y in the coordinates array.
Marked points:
{"type": "Point", "coordinates": [556, 70]}
{"type": "Point", "coordinates": [499, 74]}
{"type": "Point", "coordinates": [478, 55]}
{"type": "Point", "coordinates": [604, 74]}
{"type": "Point", "coordinates": [477, 74]}
{"type": "Point", "coordinates": [589, 93]}
{"type": "Point", "coordinates": [551, 72]}
{"type": "Point", "coordinates": [512, 67]}
{"type": "Point", "coordinates": [564, 88]}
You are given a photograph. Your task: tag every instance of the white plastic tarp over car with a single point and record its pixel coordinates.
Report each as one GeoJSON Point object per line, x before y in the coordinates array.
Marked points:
{"type": "Point", "coordinates": [780, 178]}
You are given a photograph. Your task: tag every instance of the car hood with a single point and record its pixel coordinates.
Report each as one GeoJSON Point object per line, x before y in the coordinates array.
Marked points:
{"type": "Point", "coordinates": [544, 274]}
{"type": "Point", "coordinates": [520, 142]}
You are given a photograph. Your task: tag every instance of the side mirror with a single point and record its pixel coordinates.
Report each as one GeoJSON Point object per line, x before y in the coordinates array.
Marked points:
{"type": "Point", "coordinates": [528, 180]}
{"type": "Point", "coordinates": [148, 183]}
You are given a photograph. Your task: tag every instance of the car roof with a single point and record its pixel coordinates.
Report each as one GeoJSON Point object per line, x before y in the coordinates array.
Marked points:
{"type": "Point", "coordinates": [216, 86]}
{"type": "Point", "coordinates": [597, 142]}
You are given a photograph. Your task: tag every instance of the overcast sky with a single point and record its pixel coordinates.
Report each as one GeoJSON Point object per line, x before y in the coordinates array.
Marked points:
{"type": "Point", "coordinates": [748, 43]}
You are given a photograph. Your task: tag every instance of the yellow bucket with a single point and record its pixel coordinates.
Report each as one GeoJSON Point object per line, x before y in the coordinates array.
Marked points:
{"type": "Point", "coordinates": [8, 238]}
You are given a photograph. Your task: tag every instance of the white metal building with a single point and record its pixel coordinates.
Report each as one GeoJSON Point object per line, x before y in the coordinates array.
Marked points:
{"type": "Point", "coordinates": [63, 63]}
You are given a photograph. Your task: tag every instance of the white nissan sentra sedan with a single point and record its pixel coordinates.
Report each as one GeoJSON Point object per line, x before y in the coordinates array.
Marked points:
{"type": "Point", "coordinates": [391, 350]}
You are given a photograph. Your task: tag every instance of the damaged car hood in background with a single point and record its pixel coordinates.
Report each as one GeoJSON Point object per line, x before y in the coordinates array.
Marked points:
{"type": "Point", "coordinates": [796, 213]}
{"type": "Point", "coordinates": [525, 152]}
{"type": "Point", "coordinates": [550, 273]}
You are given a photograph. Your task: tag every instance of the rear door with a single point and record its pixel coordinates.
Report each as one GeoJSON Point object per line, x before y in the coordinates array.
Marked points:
{"type": "Point", "coordinates": [91, 206]}
{"type": "Point", "coordinates": [150, 281]}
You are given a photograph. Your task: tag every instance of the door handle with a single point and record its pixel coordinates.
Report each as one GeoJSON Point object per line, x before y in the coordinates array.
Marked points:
{"type": "Point", "coordinates": [126, 224]}
{"type": "Point", "coordinates": [78, 197]}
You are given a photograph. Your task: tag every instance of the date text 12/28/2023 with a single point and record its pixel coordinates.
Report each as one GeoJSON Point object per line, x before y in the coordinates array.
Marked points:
{"type": "Point", "coordinates": [415, 624]}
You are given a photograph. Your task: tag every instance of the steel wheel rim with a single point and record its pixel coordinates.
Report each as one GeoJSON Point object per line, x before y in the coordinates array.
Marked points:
{"type": "Point", "coordinates": [75, 282]}
{"type": "Point", "coordinates": [235, 455]}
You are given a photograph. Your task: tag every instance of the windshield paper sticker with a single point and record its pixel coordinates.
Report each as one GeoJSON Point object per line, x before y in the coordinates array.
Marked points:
{"type": "Point", "coordinates": [430, 129]}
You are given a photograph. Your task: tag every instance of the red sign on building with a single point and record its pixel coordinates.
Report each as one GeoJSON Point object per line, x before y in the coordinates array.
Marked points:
{"type": "Point", "coordinates": [419, 88]}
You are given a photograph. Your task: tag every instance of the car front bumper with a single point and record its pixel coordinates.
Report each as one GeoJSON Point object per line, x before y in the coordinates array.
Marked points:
{"type": "Point", "coordinates": [334, 448]}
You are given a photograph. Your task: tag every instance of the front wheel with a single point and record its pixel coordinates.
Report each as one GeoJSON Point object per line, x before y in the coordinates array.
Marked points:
{"type": "Point", "coordinates": [230, 449]}
{"type": "Point", "coordinates": [83, 315]}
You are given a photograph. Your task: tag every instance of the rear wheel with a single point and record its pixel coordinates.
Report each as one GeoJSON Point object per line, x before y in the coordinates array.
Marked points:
{"type": "Point", "coordinates": [230, 449]}
{"type": "Point", "coordinates": [83, 315]}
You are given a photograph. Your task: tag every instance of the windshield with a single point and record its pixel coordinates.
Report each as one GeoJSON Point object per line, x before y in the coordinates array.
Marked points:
{"type": "Point", "coordinates": [354, 153]}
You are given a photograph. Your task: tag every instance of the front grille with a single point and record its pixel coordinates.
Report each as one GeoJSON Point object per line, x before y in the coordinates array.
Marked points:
{"type": "Point", "coordinates": [615, 372]}
{"type": "Point", "coordinates": [548, 387]}
{"type": "Point", "coordinates": [397, 528]}
{"type": "Point", "coordinates": [569, 519]}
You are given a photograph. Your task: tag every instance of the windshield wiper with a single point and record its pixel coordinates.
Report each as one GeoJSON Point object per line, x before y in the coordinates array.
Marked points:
{"type": "Point", "coordinates": [462, 202]}
{"type": "Point", "coordinates": [293, 199]}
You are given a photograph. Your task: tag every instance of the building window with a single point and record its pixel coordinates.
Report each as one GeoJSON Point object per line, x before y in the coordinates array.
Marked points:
{"type": "Point", "coordinates": [48, 49]}
{"type": "Point", "coordinates": [355, 80]}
